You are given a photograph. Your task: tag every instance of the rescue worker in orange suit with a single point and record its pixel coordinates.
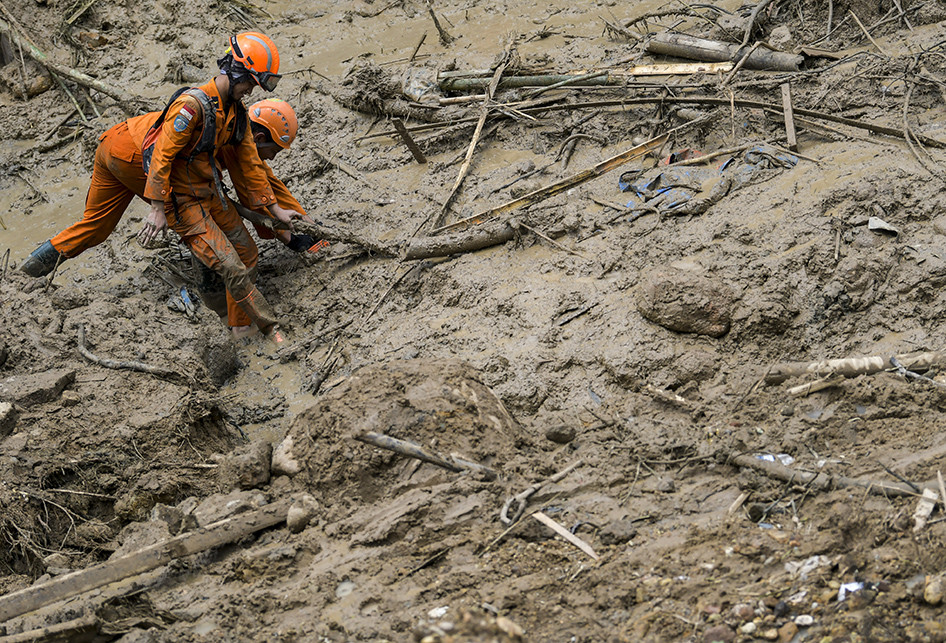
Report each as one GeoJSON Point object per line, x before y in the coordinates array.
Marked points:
{"type": "Point", "coordinates": [184, 188]}
{"type": "Point", "coordinates": [118, 176]}
{"type": "Point", "coordinates": [274, 126]}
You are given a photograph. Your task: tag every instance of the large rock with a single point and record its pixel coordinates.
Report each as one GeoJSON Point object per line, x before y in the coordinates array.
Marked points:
{"type": "Point", "coordinates": [686, 302]}
{"type": "Point", "coordinates": [27, 390]}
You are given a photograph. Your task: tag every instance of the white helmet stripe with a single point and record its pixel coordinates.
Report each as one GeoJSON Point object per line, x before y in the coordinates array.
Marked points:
{"type": "Point", "coordinates": [269, 53]}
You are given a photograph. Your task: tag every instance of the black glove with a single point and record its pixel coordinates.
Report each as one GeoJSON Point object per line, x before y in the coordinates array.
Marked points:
{"type": "Point", "coordinates": [300, 242]}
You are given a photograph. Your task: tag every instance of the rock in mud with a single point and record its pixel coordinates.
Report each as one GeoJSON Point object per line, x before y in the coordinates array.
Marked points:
{"type": "Point", "coordinates": [27, 390]}
{"type": "Point", "coordinates": [933, 592]}
{"type": "Point", "coordinates": [138, 535]}
{"type": "Point", "coordinates": [220, 358]}
{"type": "Point", "coordinates": [283, 461]}
{"type": "Point", "coordinates": [685, 302]}
{"type": "Point", "coordinates": [248, 467]}
{"type": "Point", "coordinates": [617, 532]}
{"type": "Point", "coordinates": [8, 418]}
{"type": "Point", "coordinates": [560, 434]}
{"type": "Point", "coordinates": [719, 634]}
{"type": "Point", "coordinates": [67, 297]}
{"type": "Point", "coordinates": [301, 513]}
{"type": "Point", "coordinates": [176, 519]}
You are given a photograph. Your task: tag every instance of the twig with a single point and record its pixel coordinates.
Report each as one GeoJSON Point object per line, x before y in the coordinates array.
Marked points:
{"type": "Point", "coordinates": [742, 61]}
{"type": "Point", "coordinates": [81, 493]}
{"type": "Point", "coordinates": [564, 533]}
{"type": "Point", "coordinates": [110, 363]}
{"type": "Point", "coordinates": [750, 25]}
{"type": "Point", "coordinates": [445, 38]}
{"type": "Point", "coordinates": [72, 97]}
{"type": "Point", "coordinates": [484, 112]}
{"type": "Point", "coordinates": [520, 500]}
{"type": "Point", "coordinates": [408, 141]}
{"type": "Point", "coordinates": [867, 33]}
{"type": "Point", "coordinates": [552, 241]}
{"type": "Point", "coordinates": [824, 481]}
{"type": "Point", "coordinates": [417, 48]}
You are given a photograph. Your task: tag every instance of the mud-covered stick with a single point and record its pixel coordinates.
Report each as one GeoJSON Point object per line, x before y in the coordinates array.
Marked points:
{"type": "Point", "coordinates": [411, 450]}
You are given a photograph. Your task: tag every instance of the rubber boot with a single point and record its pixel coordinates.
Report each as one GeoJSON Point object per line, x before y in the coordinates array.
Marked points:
{"type": "Point", "coordinates": [42, 261]}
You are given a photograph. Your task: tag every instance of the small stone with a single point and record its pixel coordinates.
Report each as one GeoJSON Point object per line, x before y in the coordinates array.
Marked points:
{"type": "Point", "coordinates": [301, 513]}
{"type": "Point", "coordinates": [933, 592]}
{"type": "Point", "coordinates": [70, 398]}
{"type": "Point", "coordinates": [804, 620]}
{"type": "Point", "coordinates": [780, 38]}
{"type": "Point", "coordinates": [748, 628]}
{"type": "Point", "coordinates": [617, 532]}
{"type": "Point", "coordinates": [719, 634]}
{"type": "Point", "coordinates": [57, 559]}
{"type": "Point", "coordinates": [560, 434]}
{"type": "Point", "coordinates": [770, 634]}
{"type": "Point", "coordinates": [666, 486]}
{"type": "Point", "coordinates": [743, 612]}
{"type": "Point", "coordinates": [787, 632]}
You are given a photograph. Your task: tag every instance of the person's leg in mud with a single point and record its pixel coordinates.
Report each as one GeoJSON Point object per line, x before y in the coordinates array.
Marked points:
{"type": "Point", "coordinates": [230, 252]}
{"type": "Point", "coordinates": [117, 176]}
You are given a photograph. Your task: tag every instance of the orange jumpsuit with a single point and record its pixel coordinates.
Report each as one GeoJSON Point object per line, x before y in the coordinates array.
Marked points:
{"type": "Point", "coordinates": [116, 178]}
{"type": "Point", "coordinates": [213, 231]}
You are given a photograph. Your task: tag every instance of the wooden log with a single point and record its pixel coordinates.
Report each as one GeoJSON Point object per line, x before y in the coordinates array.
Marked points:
{"type": "Point", "coordinates": [684, 46]}
{"type": "Point", "coordinates": [81, 629]}
{"type": "Point", "coordinates": [854, 366]}
{"type": "Point", "coordinates": [446, 245]}
{"type": "Point", "coordinates": [219, 533]}
{"type": "Point", "coordinates": [450, 82]}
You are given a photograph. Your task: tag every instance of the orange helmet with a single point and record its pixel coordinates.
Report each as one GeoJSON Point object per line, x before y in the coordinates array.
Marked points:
{"type": "Point", "coordinates": [278, 117]}
{"type": "Point", "coordinates": [255, 54]}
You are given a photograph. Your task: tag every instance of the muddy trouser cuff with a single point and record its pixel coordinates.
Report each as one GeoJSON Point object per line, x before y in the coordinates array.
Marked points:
{"type": "Point", "coordinates": [258, 309]}
{"type": "Point", "coordinates": [42, 261]}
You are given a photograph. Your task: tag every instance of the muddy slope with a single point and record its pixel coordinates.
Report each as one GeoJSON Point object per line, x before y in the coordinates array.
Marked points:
{"type": "Point", "coordinates": [637, 349]}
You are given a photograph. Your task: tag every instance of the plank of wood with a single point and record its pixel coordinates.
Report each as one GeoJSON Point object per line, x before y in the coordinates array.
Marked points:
{"type": "Point", "coordinates": [219, 533]}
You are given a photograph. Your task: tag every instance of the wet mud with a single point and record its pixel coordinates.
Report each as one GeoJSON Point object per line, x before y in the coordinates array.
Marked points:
{"type": "Point", "coordinates": [632, 344]}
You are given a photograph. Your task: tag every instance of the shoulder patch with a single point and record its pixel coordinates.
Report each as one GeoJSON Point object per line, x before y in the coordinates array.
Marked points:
{"type": "Point", "coordinates": [181, 123]}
